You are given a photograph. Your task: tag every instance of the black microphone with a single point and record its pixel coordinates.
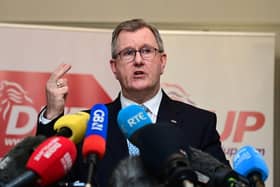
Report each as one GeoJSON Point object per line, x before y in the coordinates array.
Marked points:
{"type": "Point", "coordinates": [13, 163]}
{"type": "Point", "coordinates": [161, 149]}
{"type": "Point", "coordinates": [130, 172]}
{"type": "Point", "coordinates": [220, 175]}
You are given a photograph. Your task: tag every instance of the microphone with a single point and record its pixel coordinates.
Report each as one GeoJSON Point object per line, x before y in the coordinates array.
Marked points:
{"type": "Point", "coordinates": [220, 175]}
{"type": "Point", "coordinates": [72, 126]}
{"type": "Point", "coordinates": [50, 161]}
{"type": "Point", "coordinates": [161, 149]}
{"type": "Point", "coordinates": [131, 172]}
{"type": "Point", "coordinates": [131, 119]}
{"type": "Point", "coordinates": [250, 163]}
{"type": "Point", "coordinates": [94, 144]}
{"type": "Point", "coordinates": [13, 163]}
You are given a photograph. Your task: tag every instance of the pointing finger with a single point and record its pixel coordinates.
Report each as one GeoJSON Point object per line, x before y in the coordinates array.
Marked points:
{"type": "Point", "coordinates": [60, 71]}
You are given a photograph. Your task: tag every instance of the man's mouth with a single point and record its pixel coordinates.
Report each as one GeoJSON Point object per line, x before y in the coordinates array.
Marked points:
{"type": "Point", "coordinates": [138, 73]}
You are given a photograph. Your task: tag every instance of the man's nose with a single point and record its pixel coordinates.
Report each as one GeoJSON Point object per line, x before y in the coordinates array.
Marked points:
{"type": "Point", "coordinates": [138, 58]}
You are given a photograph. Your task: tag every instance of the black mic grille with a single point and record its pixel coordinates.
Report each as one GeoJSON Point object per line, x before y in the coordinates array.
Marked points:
{"type": "Point", "coordinates": [13, 163]}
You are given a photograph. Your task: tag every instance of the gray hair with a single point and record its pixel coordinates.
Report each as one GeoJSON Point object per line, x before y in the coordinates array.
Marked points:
{"type": "Point", "coordinates": [131, 26]}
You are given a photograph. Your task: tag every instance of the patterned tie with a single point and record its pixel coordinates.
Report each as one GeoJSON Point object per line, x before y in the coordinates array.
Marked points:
{"type": "Point", "coordinates": [132, 149]}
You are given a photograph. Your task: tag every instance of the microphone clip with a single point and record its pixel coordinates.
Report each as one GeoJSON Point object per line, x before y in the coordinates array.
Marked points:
{"type": "Point", "coordinates": [178, 171]}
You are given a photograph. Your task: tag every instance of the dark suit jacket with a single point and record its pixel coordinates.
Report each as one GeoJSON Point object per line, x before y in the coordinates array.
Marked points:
{"type": "Point", "coordinates": [198, 125]}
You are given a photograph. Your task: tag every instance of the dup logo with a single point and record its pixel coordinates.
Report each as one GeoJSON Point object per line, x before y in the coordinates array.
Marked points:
{"type": "Point", "coordinates": [22, 96]}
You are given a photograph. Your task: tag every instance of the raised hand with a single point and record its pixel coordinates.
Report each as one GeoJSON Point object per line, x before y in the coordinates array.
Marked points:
{"type": "Point", "coordinates": [56, 92]}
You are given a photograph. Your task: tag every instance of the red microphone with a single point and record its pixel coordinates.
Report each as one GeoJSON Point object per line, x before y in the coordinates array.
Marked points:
{"type": "Point", "coordinates": [49, 163]}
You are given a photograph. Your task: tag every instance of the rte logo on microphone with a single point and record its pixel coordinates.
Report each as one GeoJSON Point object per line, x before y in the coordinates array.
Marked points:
{"type": "Point", "coordinates": [134, 120]}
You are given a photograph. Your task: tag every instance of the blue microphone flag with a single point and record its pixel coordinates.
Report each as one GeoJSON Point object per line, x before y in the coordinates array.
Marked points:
{"type": "Point", "coordinates": [98, 121]}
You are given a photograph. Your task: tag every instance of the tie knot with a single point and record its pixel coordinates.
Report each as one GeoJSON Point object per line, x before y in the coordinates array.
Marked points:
{"type": "Point", "coordinates": [147, 109]}
{"type": "Point", "coordinates": [150, 113]}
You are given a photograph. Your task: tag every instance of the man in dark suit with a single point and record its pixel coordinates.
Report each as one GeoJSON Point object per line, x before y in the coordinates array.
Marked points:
{"type": "Point", "coordinates": [138, 61]}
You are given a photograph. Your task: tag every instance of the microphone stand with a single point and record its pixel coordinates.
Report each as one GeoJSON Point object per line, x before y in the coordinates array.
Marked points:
{"type": "Point", "coordinates": [92, 158]}
{"type": "Point", "coordinates": [179, 173]}
{"type": "Point", "coordinates": [187, 183]}
{"type": "Point", "coordinates": [255, 180]}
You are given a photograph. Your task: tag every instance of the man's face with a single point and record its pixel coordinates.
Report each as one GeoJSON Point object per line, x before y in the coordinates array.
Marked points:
{"type": "Point", "coordinates": [138, 74]}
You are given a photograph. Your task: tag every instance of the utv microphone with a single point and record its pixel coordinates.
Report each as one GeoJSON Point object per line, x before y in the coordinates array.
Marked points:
{"type": "Point", "coordinates": [72, 126]}
{"type": "Point", "coordinates": [250, 163]}
{"type": "Point", "coordinates": [13, 163]}
{"type": "Point", "coordinates": [48, 163]}
{"type": "Point", "coordinates": [94, 144]}
{"type": "Point", "coordinates": [132, 118]}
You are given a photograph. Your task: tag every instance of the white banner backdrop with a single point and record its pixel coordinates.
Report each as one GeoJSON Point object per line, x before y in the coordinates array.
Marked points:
{"type": "Point", "coordinates": [229, 73]}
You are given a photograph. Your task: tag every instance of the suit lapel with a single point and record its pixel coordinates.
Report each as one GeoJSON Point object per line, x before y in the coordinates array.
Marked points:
{"type": "Point", "coordinates": [167, 111]}
{"type": "Point", "coordinates": [116, 141]}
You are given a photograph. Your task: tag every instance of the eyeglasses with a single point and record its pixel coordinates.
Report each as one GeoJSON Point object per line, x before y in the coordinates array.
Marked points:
{"type": "Point", "coordinates": [128, 54]}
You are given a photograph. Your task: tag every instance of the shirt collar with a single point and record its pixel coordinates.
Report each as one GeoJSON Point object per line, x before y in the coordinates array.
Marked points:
{"type": "Point", "coordinates": [152, 104]}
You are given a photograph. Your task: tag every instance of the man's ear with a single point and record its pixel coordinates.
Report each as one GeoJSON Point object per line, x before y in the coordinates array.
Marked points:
{"type": "Point", "coordinates": [113, 66]}
{"type": "Point", "coordinates": [163, 59]}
